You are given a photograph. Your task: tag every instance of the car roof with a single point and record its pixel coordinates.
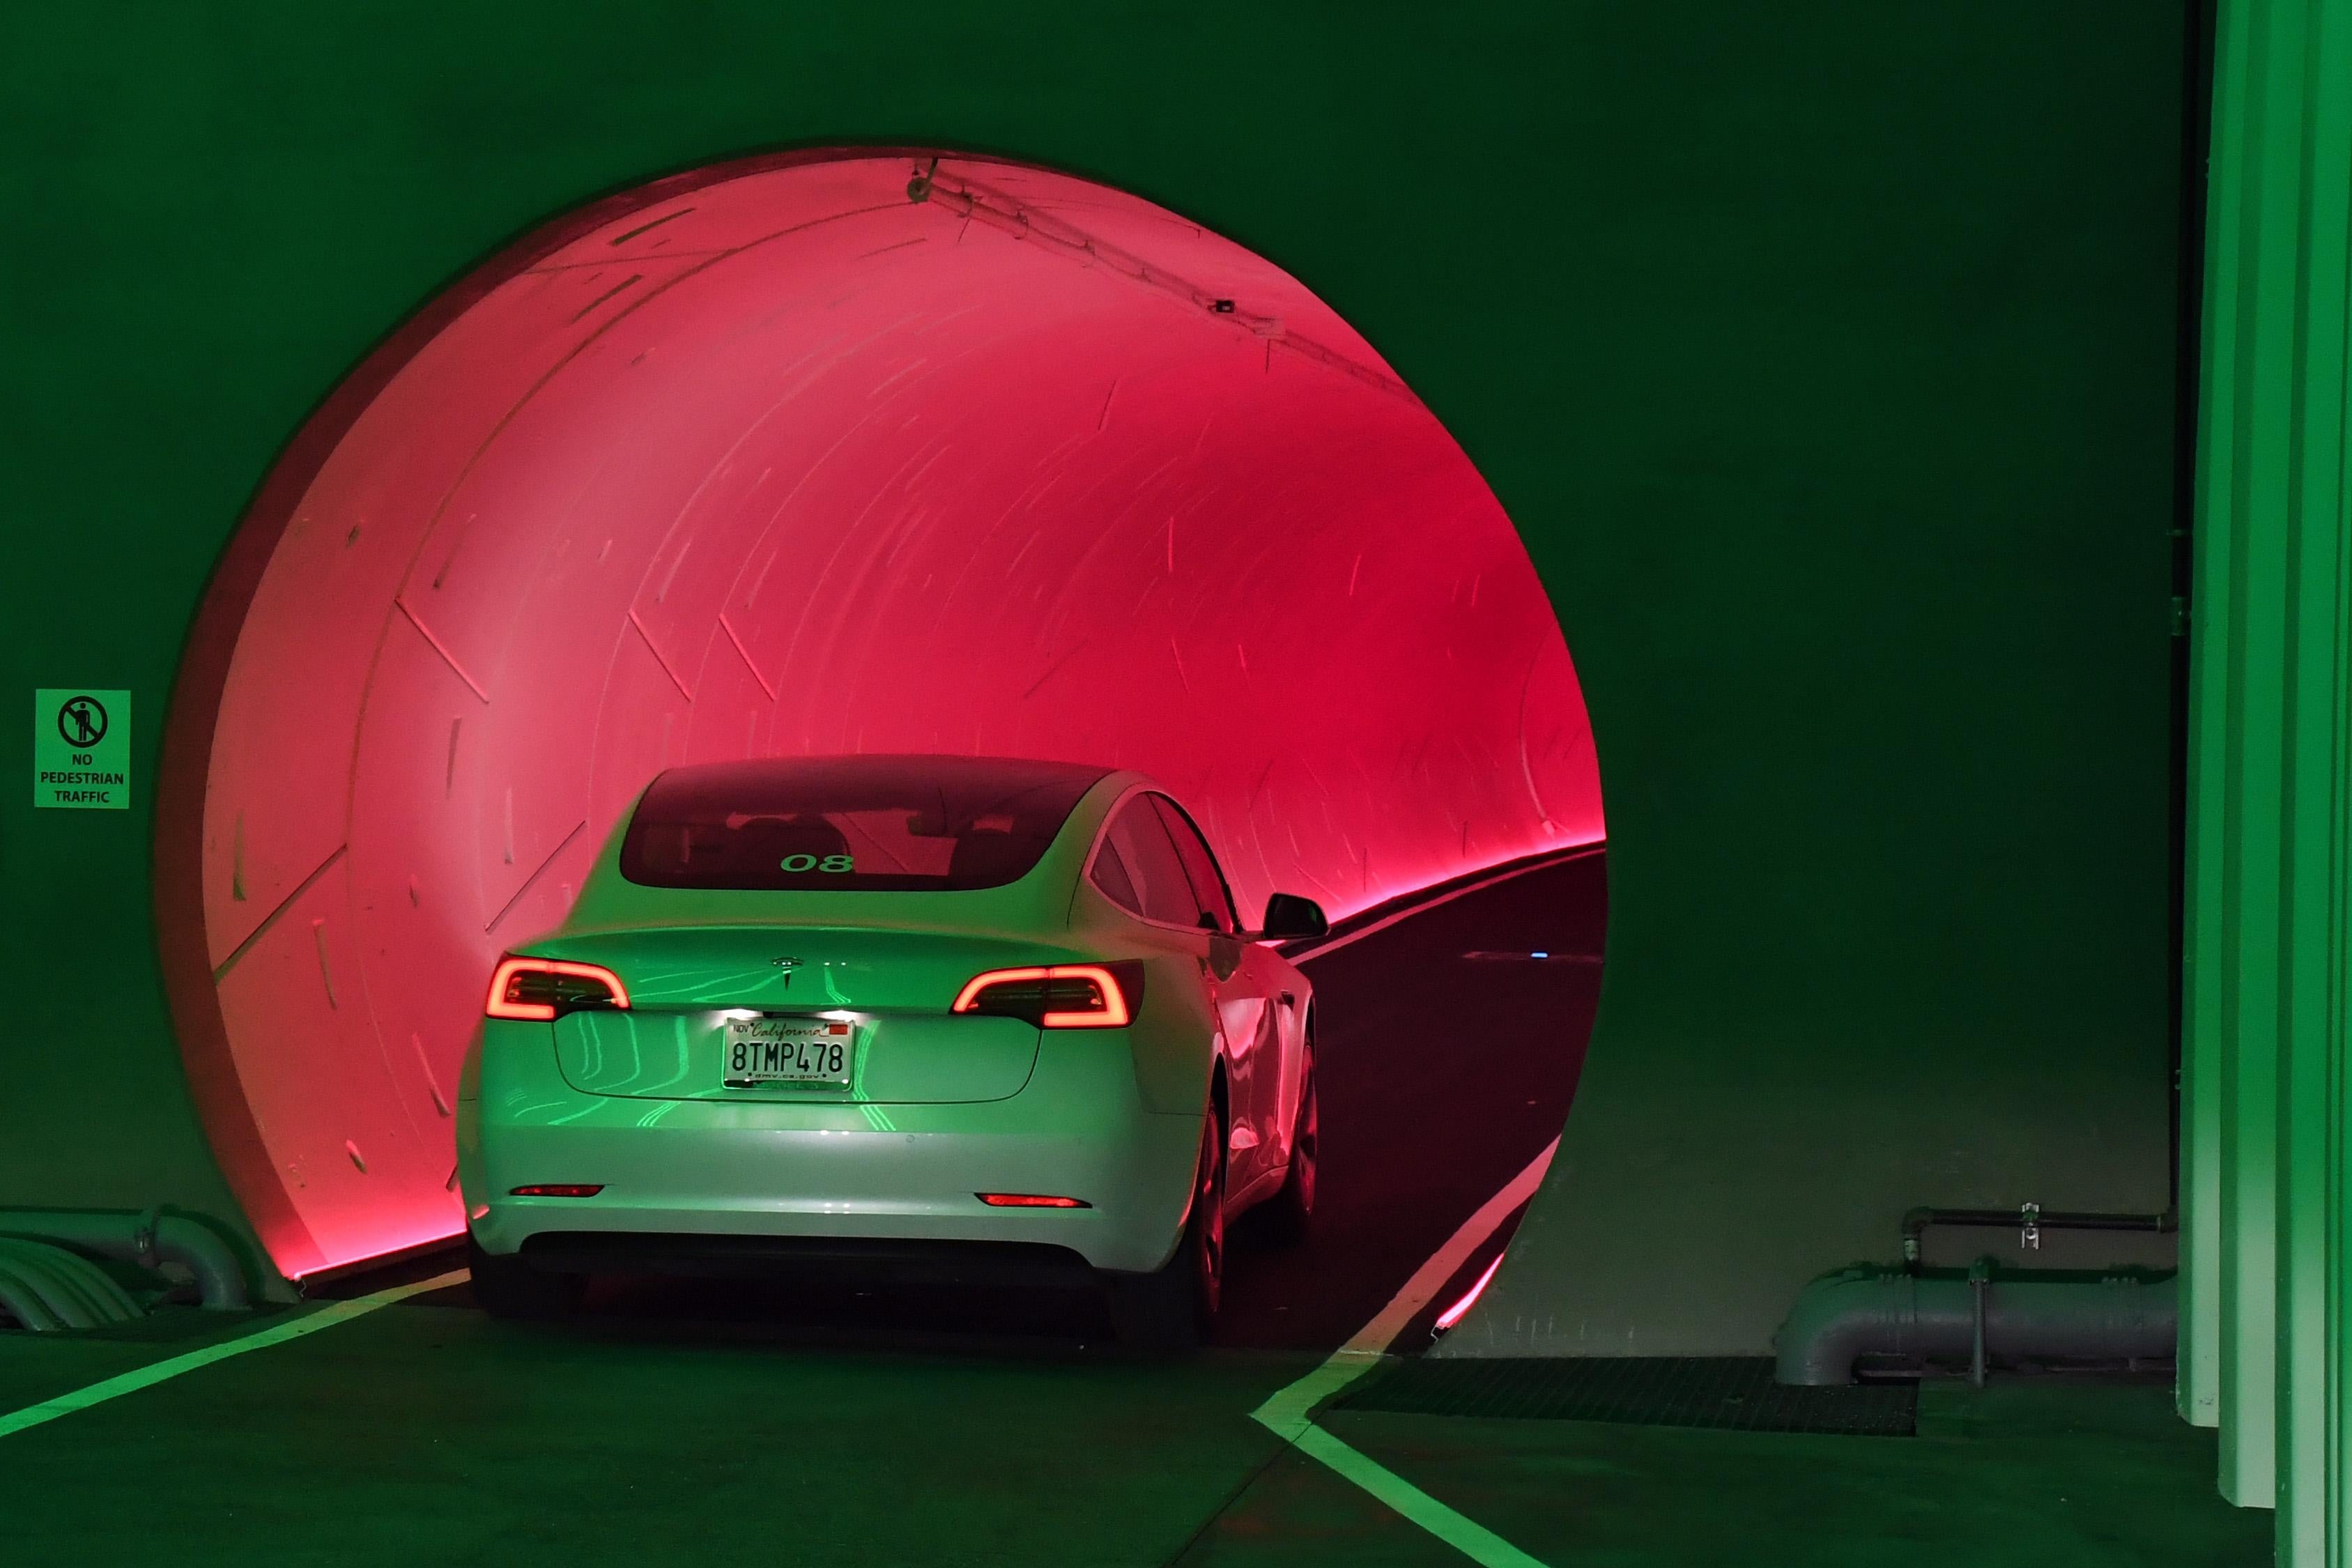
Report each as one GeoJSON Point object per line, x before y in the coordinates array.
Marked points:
{"type": "Point", "coordinates": [981, 773]}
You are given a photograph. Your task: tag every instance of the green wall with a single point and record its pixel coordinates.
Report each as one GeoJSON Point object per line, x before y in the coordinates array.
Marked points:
{"type": "Point", "coordinates": [1823, 354]}
{"type": "Point", "coordinates": [2267, 1351]}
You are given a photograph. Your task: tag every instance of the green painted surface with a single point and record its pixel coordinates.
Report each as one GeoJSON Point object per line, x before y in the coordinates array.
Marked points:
{"type": "Point", "coordinates": [81, 749]}
{"type": "Point", "coordinates": [692, 1425]}
{"type": "Point", "coordinates": [426, 1432]}
{"type": "Point", "coordinates": [34, 1370]}
{"type": "Point", "coordinates": [278, 1330]}
{"type": "Point", "coordinates": [1885, 929]}
{"type": "Point", "coordinates": [2251, 719]}
{"type": "Point", "coordinates": [2271, 817]}
{"type": "Point", "coordinates": [2317, 808]}
{"type": "Point", "coordinates": [2024, 1473]}
{"type": "Point", "coordinates": [2206, 869]}
{"type": "Point", "coordinates": [1824, 358]}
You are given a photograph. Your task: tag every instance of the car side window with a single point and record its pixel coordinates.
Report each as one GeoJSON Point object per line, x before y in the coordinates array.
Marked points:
{"type": "Point", "coordinates": [1110, 875]}
{"type": "Point", "coordinates": [1156, 883]}
{"type": "Point", "coordinates": [1209, 894]}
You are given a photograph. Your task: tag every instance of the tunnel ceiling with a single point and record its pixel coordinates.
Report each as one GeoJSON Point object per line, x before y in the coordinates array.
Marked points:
{"type": "Point", "coordinates": [788, 461]}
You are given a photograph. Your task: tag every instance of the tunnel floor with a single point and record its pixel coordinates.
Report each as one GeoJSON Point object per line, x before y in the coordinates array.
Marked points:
{"type": "Point", "coordinates": [689, 1421]}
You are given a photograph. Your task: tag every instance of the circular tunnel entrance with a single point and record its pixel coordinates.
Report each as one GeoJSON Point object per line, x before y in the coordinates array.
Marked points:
{"type": "Point", "coordinates": [809, 455]}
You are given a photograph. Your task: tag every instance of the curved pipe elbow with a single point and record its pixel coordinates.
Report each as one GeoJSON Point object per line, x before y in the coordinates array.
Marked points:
{"type": "Point", "coordinates": [1840, 1317]}
{"type": "Point", "coordinates": [203, 1252]}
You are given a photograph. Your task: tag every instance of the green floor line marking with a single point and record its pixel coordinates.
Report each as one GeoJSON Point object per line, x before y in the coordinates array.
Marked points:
{"type": "Point", "coordinates": [1289, 1413]}
{"type": "Point", "coordinates": [1466, 1535]}
{"type": "Point", "coordinates": [114, 1387]}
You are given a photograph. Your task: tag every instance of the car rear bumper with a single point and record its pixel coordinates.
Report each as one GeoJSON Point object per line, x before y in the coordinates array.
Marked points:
{"type": "Point", "coordinates": [705, 1184]}
{"type": "Point", "coordinates": [860, 1259]}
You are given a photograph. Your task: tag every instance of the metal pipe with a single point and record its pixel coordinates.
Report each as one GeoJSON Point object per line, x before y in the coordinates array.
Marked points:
{"type": "Point", "coordinates": [146, 1239]}
{"type": "Point", "coordinates": [1863, 1311]}
{"type": "Point", "coordinates": [2029, 1219]}
{"type": "Point", "coordinates": [47, 1288]}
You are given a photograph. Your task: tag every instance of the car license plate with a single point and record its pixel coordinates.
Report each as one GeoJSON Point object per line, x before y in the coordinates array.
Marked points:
{"type": "Point", "coordinates": [756, 1051]}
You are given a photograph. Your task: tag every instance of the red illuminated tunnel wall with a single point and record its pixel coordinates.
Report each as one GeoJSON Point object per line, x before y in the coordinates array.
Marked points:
{"type": "Point", "coordinates": [790, 457]}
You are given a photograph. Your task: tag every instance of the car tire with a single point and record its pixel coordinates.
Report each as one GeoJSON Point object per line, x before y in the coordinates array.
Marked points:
{"type": "Point", "coordinates": [507, 1287]}
{"type": "Point", "coordinates": [1174, 1307]}
{"type": "Point", "coordinates": [1290, 1211]}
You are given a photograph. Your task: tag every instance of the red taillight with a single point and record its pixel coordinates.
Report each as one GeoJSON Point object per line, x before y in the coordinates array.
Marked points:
{"type": "Point", "coordinates": [537, 989]}
{"type": "Point", "coordinates": [1062, 996]}
{"type": "Point", "coordinates": [560, 1190]}
{"type": "Point", "coordinates": [1029, 1200]}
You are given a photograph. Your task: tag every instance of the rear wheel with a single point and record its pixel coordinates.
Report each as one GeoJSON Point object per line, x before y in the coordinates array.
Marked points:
{"type": "Point", "coordinates": [1174, 1307]}
{"type": "Point", "coordinates": [507, 1287]}
{"type": "Point", "coordinates": [1289, 1210]}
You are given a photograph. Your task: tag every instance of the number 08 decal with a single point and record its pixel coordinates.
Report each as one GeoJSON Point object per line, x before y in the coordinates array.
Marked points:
{"type": "Point", "coordinates": [835, 863]}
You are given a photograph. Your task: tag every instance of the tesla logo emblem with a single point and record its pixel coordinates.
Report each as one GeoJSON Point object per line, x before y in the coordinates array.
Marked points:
{"type": "Point", "coordinates": [788, 965]}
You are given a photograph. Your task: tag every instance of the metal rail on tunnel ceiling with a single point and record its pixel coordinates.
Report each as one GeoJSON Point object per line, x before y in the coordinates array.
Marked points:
{"type": "Point", "coordinates": [969, 198]}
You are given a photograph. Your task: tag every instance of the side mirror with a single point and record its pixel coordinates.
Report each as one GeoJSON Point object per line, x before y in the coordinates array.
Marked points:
{"type": "Point", "coordinates": [1289, 917]}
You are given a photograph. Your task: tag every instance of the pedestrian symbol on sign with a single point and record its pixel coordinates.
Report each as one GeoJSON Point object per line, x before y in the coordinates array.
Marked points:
{"type": "Point", "coordinates": [82, 721]}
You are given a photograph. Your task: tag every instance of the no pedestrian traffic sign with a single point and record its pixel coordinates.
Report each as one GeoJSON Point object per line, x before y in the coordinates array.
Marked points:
{"type": "Point", "coordinates": [81, 749]}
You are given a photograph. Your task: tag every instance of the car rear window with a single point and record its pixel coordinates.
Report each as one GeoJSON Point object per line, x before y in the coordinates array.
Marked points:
{"type": "Point", "coordinates": [881, 823]}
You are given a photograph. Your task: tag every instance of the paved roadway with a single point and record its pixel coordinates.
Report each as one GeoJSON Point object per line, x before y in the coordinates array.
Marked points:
{"type": "Point", "coordinates": [1442, 1077]}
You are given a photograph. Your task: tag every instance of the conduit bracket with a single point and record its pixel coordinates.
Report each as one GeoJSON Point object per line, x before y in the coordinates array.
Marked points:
{"type": "Point", "coordinates": [1980, 1283]}
{"type": "Point", "coordinates": [967, 198]}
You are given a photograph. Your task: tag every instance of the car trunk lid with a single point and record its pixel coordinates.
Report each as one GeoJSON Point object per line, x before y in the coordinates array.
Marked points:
{"type": "Point", "coordinates": [891, 987]}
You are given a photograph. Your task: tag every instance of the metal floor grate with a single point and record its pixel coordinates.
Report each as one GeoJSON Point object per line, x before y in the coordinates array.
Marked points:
{"type": "Point", "coordinates": [1732, 1393]}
